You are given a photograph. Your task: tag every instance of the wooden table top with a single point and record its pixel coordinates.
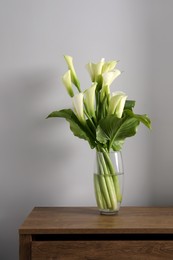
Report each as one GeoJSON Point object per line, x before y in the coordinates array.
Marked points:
{"type": "Point", "coordinates": [87, 220]}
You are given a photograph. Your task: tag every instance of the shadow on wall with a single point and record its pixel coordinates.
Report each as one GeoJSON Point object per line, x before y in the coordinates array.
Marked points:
{"type": "Point", "coordinates": [28, 150]}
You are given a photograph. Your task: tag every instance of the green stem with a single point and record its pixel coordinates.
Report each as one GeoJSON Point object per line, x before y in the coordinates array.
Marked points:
{"type": "Point", "coordinates": [108, 160]}
{"type": "Point", "coordinates": [108, 180]}
{"type": "Point", "coordinates": [101, 171]}
{"type": "Point", "coordinates": [105, 190]}
{"type": "Point", "coordinates": [111, 190]}
{"type": "Point", "coordinates": [103, 164]}
{"type": "Point", "coordinates": [117, 188]}
{"type": "Point", "coordinates": [99, 196]}
{"type": "Point", "coordinates": [89, 118]}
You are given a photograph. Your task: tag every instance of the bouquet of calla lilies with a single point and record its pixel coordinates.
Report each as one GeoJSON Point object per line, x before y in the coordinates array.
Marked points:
{"type": "Point", "coordinates": [101, 117]}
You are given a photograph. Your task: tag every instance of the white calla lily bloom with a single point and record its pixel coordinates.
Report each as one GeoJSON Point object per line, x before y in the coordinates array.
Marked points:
{"type": "Point", "coordinates": [95, 69]}
{"type": "Point", "coordinates": [108, 77]}
{"type": "Point", "coordinates": [109, 66]}
{"type": "Point", "coordinates": [117, 102]}
{"type": "Point", "coordinates": [89, 99]}
{"type": "Point", "coordinates": [66, 79]}
{"type": "Point", "coordinates": [74, 78]}
{"type": "Point", "coordinates": [77, 101]}
{"type": "Point", "coordinates": [90, 68]}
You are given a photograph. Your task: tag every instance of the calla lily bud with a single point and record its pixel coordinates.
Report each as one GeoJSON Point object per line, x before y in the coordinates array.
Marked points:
{"type": "Point", "coordinates": [117, 102]}
{"type": "Point", "coordinates": [108, 77]}
{"type": "Point", "coordinates": [109, 66]}
{"type": "Point", "coordinates": [66, 79]}
{"type": "Point", "coordinates": [90, 100]}
{"type": "Point", "coordinates": [74, 78]}
{"type": "Point", "coordinates": [77, 101]}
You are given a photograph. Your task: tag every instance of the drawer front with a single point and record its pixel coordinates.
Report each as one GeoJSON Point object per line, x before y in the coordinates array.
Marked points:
{"type": "Point", "coordinates": [101, 250]}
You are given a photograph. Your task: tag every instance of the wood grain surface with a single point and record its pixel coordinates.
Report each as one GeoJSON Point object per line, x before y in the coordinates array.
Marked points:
{"type": "Point", "coordinates": [81, 233]}
{"type": "Point", "coordinates": [88, 220]}
{"type": "Point", "coordinates": [102, 250]}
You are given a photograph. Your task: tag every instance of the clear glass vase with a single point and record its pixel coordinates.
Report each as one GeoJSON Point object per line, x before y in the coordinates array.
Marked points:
{"type": "Point", "coordinates": [108, 181]}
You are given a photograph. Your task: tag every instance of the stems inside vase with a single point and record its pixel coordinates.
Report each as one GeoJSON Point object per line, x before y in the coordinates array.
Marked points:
{"type": "Point", "coordinates": [106, 182]}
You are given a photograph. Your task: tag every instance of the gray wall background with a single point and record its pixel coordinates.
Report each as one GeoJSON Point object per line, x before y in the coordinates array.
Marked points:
{"type": "Point", "coordinates": [41, 162]}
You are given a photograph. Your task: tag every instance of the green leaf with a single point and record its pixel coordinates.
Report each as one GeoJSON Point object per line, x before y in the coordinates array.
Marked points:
{"type": "Point", "coordinates": [80, 133]}
{"type": "Point", "coordinates": [142, 118]}
{"type": "Point", "coordinates": [65, 113]}
{"type": "Point", "coordinates": [112, 129]}
{"type": "Point", "coordinates": [106, 128]}
{"type": "Point", "coordinates": [128, 128]}
{"type": "Point", "coordinates": [76, 127]}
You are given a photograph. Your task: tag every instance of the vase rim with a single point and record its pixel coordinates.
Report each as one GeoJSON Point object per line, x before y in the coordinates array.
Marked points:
{"type": "Point", "coordinates": [110, 151]}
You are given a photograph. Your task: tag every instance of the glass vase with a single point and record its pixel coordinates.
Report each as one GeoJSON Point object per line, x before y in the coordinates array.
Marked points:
{"type": "Point", "coordinates": [108, 181]}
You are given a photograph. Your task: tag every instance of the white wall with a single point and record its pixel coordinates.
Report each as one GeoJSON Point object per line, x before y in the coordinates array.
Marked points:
{"type": "Point", "coordinates": [41, 162]}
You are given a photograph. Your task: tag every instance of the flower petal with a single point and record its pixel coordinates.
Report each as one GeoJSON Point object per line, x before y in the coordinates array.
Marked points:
{"type": "Point", "coordinates": [95, 69]}
{"type": "Point", "coordinates": [117, 103]}
{"type": "Point", "coordinates": [74, 78]}
{"type": "Point", "coordinates": [120, 107]}
{"type": "Point", "coordinates": [109, 66]}
{"type": "Point", "coordinates": [90, 99]}
{"type": "Point", "coordinates": [68, 83]}
{"type": "Point", "coordinates": [90, 68]}
{"type": "Point", "coordinates": [108, 77]}
{"type": "Point", "coordinates": [77, 101]}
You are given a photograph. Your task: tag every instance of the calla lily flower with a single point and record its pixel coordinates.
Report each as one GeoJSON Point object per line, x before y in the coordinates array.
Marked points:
{"type": "Point", "coordinates": [95, 69]}
{"type": "Point", "coordinates": [77, 101]}
{"type": "Point", "coordinates": [108, 77]}
{"type": "Point", "coordinates": [90, 99]}
{"type": "Point", "coordinates": [74, 78]}
{"type": "Point", "coordinates": [66, 79]}
{"type": "Point", "coordinates": [117, 102]}
{"type": "Point", "coordinates": [109, 66]}
{"type": "Point", "coordinates": [90, 68]}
